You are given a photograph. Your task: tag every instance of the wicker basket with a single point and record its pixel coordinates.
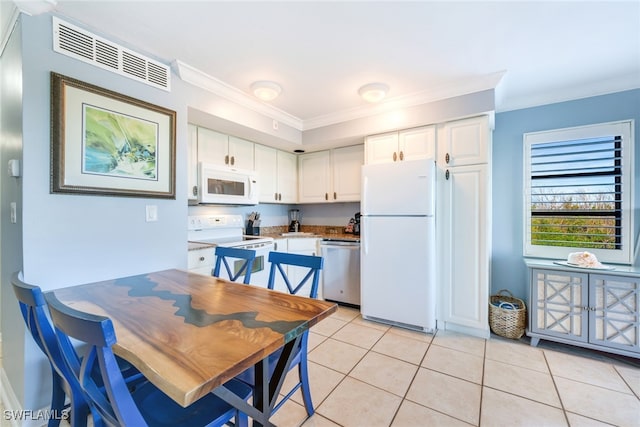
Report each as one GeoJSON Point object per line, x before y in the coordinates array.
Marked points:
{"type": "Point", "coordinates": [507, 315]}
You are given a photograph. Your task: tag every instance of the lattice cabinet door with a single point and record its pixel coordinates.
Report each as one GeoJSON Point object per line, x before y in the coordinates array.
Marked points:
{"type": "Point", "coordinates": [615, 311]}
{"type": "Point", "coordinates": [559, 304]}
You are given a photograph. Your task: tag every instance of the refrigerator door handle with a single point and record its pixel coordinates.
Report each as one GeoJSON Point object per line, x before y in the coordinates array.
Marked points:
{"type": "Point", "coordinates": [363, 238]}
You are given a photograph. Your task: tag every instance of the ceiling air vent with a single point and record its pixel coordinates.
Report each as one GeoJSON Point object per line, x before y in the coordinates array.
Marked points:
{"type": "Point", "coordinates": [80, 44]}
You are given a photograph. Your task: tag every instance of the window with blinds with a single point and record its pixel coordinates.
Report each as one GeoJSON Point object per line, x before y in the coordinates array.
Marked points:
{"type": "Point", "coordinates": [578, 192]}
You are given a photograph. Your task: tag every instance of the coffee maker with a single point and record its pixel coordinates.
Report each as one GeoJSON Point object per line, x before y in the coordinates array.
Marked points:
{"type": "Point", "coordinates": [294, 220]}
{"type": "Point", "coordinates": [356, 224]}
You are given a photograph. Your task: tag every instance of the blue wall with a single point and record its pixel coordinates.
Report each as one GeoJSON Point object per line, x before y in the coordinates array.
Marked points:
{"type": "Point", "coordinates": [507, 268]}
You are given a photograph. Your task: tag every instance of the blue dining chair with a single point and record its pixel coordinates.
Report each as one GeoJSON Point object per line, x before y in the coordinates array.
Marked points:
{"type": "Point", "coordinates": [34, 312]}
{"type": "Point", "coordinates": [146, 405]}
{"type": "Point", "coordinates": [33, 308]}
{"type": "Point", "coordinates": [311, 266]}
{"type": "Point", "coordinates": [222, 253]}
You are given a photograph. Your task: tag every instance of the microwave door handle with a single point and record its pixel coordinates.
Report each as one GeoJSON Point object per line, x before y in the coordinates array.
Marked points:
{"type": "Point", "coordinates": [251, 188]}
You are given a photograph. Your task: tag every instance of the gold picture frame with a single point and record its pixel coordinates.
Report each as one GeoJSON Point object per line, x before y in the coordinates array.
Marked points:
{"type": "Point", "coordinates": [109, 144]}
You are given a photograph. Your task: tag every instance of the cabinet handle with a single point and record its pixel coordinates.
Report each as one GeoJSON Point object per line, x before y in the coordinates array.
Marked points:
{"type": "Point", "coordinates": [280, 196]}
{"type": "Point", "coordinates": [194, 190]}
{"type": "Point", "coordinates": [326, 196]}
{"type": "Point", "coordinates": [446, 175]}
{"type": "Point", "coordinates": [335, 196]}
{"type": "Point", "coordinates": [226, 159]}
{"type": "Point", "coordinates": [401, 155]}
{"type": "Point", "coordinates": [447, 158]}
{"type": "Point", "coordinates": [233, 160]}
{"type": "Point", "coordinates": [201, 258]}
{"type": "Point", "coordinates": [395, 156]}
{"type": "Point", "coordinates": [275, 196]}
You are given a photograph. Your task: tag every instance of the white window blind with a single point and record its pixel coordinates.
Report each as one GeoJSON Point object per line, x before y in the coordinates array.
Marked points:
{"type": "Point", "coordinates": [579, 192]}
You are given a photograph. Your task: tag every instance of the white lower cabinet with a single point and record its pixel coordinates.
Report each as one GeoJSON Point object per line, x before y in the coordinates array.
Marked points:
{"type": "Point", "coordinates": [598, 310]}
{"type": "Point", "coordinates": [201, 261]}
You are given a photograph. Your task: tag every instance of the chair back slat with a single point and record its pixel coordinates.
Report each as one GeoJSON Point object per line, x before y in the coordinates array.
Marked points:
{"type": "Point", "coordinates": [222, 255]}
{"type": "Point", "coordinates": [312, 263]}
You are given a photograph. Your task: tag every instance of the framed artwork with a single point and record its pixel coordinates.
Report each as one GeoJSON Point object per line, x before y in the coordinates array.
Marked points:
{"type": "Point", "coordinates": [106, 143]}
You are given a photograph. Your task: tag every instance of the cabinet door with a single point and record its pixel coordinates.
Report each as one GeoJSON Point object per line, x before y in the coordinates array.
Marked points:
{"type": "Point", "coordinates": [240, 153]}
{"type": "Point", "coordinates": [382, 148]}
{"type": "Point", "coordinates": [314, 177]}
{"type": "Point", "coordinates": [464, 234]}
{"type": "Point", "coordinates": [614, 313]}
{"type": "Point", "coordinates": [287, 177]}
{"type": "Point", "coordinates": [464, 142]}
{"type": "Point", "coordinates": [347, 171]}
{"type": "Point", "coordinates": [559, 303]}
{"type": "Point", "coordinates": [201, 261]}
{"type": "Point", "coordinates": [266, 166]}
{"type": "Point", "coordinates": [192, 163]}
{"type": "Point", "coordinates": [212, 146]}
{"type": "Point", "coordinates": [419, 143]}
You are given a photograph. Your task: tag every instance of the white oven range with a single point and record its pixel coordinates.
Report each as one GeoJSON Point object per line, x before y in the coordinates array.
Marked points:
{"type": "Point", "coordinates": [227, 230]}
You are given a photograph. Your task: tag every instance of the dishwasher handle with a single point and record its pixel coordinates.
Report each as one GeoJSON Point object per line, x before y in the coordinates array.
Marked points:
{"type": "Point", "coordinates": [339, 244]}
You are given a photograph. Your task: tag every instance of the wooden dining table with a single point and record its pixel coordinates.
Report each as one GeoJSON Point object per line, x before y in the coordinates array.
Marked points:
{"type": "Point", "coordinates": [190, 333]}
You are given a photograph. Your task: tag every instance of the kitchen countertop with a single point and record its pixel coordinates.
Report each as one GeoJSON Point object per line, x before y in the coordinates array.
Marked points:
{"type": "Point", "coordinates": [317, 232]}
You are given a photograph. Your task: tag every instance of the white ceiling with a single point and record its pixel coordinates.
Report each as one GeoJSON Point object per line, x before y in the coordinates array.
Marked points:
{"type": "Point", "coordinates": [322, 52]}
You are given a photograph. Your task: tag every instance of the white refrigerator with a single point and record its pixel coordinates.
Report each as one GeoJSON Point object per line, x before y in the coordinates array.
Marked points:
{"type": "Point", "coordinates": [397, 265]}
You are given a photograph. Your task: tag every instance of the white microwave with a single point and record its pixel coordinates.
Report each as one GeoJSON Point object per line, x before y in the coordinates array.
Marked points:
{"type": "Point", "coordinates": [225, 185]}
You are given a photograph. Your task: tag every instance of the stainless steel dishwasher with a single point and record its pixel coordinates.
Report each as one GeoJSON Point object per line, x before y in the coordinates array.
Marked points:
{"type": "Point", "coordinates": [341, 271]}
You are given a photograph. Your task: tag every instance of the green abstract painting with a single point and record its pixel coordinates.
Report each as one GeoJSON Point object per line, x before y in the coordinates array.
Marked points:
{"type": "Point", "coordinates": [119, 145]}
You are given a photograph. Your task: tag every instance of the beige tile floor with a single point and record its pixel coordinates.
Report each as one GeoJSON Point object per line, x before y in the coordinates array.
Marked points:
{"type": "Point", "coordinates": [368, 374]}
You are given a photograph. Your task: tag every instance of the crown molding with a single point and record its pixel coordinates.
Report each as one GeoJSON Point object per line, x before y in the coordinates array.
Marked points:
{"type": "Point", "coordinates": [200, 79]}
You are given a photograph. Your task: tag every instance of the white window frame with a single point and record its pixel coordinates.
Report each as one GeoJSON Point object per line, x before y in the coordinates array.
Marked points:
{"type": "Point", "coordinates": [625, 255]}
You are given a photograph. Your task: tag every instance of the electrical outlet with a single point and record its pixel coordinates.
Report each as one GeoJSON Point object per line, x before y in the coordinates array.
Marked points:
{"type": "Point", "coordinates": [152, 213]}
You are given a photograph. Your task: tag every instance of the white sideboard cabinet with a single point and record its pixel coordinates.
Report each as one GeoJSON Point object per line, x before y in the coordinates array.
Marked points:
{"type": "Point", "coordinates": [597, 309]}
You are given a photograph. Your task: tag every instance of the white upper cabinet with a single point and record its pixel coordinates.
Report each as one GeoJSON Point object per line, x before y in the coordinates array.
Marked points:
{"type": "Point", "coordinates": [331, 175]}
{"type": "Point", "coordinates": [241, 153]}
{"type": "Point", "coordinates": [314, 177]}
{"type": "Point", "coordinates": [464, 142]}
{"type": "Point", "coordinates": [277, 174]}
{"type": "Point", "coordinates": [418, 143]}
{"type": "Point", "coordinates": [220, 149]}
{"type": "Point", "coordinates": [410, 144]}
{"type": "Point", "coordinates": [347, 171]}
{"type": "Point", "coordinates": [287, 177]}
{"type": "Point", "coordinates": [382, 148]}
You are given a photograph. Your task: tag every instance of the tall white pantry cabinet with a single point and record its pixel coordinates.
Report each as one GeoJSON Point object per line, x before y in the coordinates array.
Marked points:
{"type": "Point", "coordinates": [463, 225]}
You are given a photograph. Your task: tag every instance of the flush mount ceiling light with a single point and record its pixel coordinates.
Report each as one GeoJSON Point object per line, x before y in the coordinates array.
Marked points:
{"type": "Point", "coordinates": [373, 92]}
{"type": "Point", "coordinates": [266, 90]}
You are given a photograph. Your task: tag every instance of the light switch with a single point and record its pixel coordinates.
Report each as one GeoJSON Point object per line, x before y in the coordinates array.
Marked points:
{"type": "Point", "coordinates": [152, 213]}
{"type": "Point", "coordinates": [14, 168]}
